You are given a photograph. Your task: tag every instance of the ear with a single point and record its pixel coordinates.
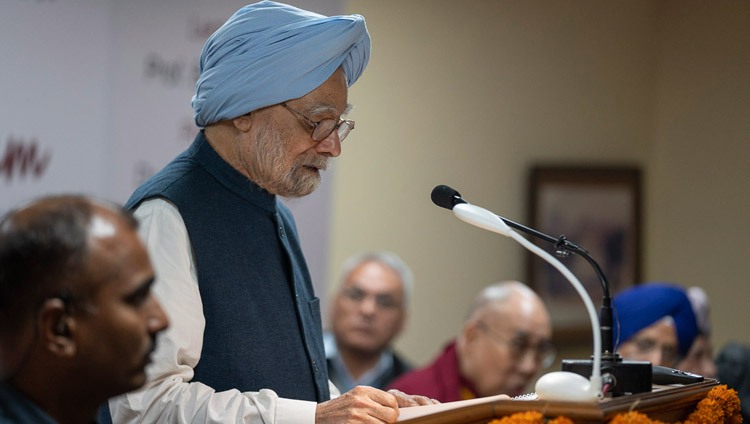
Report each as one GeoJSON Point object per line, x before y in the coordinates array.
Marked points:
{"type": "Point", "coordinates": [243, 123]}
{"type": "Point", "coordinates": [56, 328]}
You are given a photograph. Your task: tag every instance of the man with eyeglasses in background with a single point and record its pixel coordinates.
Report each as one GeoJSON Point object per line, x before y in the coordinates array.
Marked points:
{"type": "Point", "coordinates": [368, 311]}
{"type": "Point", "coordinates": [246, 345]}
{"type": "Point", "coordinates": [504, 343]}
{"type": "Point", "coordinates": [654, 322]}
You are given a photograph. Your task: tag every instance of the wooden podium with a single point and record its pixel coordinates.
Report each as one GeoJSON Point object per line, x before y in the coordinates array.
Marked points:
{"type": "Point", "coordinates": [664, 403]}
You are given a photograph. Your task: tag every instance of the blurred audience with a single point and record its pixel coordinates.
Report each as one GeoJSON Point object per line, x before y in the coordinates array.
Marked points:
{"type": "Point", "coordinates": [368, 312]}
{"type": "Point", "coordinates": [78, 321]}
{"type": "Point", "coordinates": [654, 322]}
{"type": "Point", "coordinates": [732, 365]}
{"type": "Point", "coordinates": [504, 343]}
{"type": "Point", "coordinates": [733, 369]}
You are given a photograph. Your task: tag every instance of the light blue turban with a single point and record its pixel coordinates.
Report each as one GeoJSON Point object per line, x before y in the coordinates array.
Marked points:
{"type": "Point", "coordinates": [269, 52]}
{"type": "Point", "coordinates": [645, 304]}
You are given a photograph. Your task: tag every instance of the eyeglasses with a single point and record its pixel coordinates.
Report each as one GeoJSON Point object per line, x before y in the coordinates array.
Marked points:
{"type": "Point", "coordinates": [323, 128]}
{"type": "Point", "coordinates": [382, 301]}
{"type": "Point", "coordinates": [543, 353]}
{"type": "Point", "coordinates": [646, 346]}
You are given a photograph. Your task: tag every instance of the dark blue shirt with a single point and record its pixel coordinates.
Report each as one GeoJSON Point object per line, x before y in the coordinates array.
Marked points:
{"type": "Point", "coordinates": [15, 408]}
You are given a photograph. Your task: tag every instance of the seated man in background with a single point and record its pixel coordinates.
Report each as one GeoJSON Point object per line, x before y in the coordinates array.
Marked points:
{"type": "Point", "coordinates": [368, 312]}
{"type": "Point", "coordinates": [656, 323]}
{"type": "Point", "coordinates": [504, 343]}
{"type": "Point", "coordinates": [78, 322]}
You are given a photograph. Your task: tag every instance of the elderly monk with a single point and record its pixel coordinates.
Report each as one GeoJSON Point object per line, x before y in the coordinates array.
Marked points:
{"type": "Point", "coordinates": [504, 343]}
{"type": "Point", "coordinates": [655, 322]}
{"type": "Point", "coordinates": [246, 344]}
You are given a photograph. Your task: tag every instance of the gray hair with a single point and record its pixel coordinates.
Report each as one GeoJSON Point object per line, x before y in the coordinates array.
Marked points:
{"type": "Point", "coordinates": [388, 259]}
{"type": "Point", "coordinates": [497, 293]}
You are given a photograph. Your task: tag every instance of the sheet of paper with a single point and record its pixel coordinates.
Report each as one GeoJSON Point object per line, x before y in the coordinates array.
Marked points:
{"type": "Point", "coordinates": [419, 411]}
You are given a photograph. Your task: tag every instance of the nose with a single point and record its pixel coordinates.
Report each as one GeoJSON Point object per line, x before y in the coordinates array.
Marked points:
{"type": "Point", "coordinates": [528, 363]}
{"type": "Point", "coordinates": [156, 320]}
{"type": "Point", "coordinates": [368, 306]}
{"type": "Point", "coordinates": [331, 145]}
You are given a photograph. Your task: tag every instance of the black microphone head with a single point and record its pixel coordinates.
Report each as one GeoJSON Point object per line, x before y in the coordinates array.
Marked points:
{"type": "Point", "coordinates": [446, 197]}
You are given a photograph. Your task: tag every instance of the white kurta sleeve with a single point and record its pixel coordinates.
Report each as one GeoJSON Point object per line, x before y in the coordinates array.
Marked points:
{"type": "Point", "coordinates": [170, 396]}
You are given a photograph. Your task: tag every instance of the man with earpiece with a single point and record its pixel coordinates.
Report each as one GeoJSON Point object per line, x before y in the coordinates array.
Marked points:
{"type": "Point", "coordinates": [78, 322]}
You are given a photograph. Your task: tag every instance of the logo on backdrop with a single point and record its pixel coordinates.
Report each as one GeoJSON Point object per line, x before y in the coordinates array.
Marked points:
{"type": "Point", "coordinates": [170, 72]}
{"type": "Point", "coordinates": [23, 158]}
{"type": "Point", "coordinates": [180, 71]}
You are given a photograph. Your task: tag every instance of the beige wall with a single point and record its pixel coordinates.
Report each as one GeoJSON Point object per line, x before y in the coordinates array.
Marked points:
{"type": "Point", "coordinates": [472, 93]}
{"type": "Point", "coordinates": [698, 210]}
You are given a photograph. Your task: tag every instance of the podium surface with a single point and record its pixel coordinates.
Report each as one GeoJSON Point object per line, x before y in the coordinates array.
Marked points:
{"type": "Point", "coordinates": [664, 403]}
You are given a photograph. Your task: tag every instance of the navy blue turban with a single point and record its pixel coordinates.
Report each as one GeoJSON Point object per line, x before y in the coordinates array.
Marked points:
{"type": "Point", "coordinates": [268, 52]}
{"type": "Point", "coordinates": [643, 305]}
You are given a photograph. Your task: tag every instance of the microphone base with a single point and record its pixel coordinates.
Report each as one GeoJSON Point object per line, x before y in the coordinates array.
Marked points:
{"type": "Point", "coordinates": [626, 377]}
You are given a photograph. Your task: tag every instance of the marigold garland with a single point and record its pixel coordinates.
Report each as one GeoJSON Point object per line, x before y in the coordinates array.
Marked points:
{"type": "Point", "coordinates": [720, 406]}
{"type": "Point", "coordinates": [530, 417]}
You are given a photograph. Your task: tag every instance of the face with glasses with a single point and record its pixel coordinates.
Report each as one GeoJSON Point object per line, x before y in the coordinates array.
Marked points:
{"type": "Point", "coordinates": [506, 345]}
{"type": "Point", "coordinates": [656, 343]}
{"type": "Point", "coordinates": [368, 311]}
{"type": "Point", "coordinates": [284, 147]}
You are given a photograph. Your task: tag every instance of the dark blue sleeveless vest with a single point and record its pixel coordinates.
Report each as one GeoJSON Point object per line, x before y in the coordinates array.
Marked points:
{"type": "Point", "coordinates": [263, 327]}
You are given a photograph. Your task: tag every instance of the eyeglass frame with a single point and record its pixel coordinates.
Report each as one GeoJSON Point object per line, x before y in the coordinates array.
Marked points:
{"type": "Point", "coordinates": [383, 301]}
{"type": "Point", "coordinates": [544, 353]}
{"type": "Point", "coordinates": [646, 345]}
{"type": "Point", "coordinates": [315, 125]}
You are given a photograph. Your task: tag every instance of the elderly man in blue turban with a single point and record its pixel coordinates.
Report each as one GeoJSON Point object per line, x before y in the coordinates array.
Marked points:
{"type": "Point", "coordinates": [655, 322]}
{"type": "Point", "coordinates": [246, 344]}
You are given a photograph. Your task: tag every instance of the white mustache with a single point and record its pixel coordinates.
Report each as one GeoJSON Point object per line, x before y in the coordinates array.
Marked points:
{"type": "Point", "coordinates": [321, 163]}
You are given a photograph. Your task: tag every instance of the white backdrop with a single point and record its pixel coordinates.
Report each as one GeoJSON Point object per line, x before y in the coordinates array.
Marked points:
{"type": "Point", "coordinates": [55, 98]}
{"type": "Point", "coordinates": [96, 98]}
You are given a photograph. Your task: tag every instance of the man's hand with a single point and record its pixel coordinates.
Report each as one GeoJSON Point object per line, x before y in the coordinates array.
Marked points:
{"type": "Point", "coordinates": [364, 404]}
{"type": "Point", "coordinates": [411, 400]}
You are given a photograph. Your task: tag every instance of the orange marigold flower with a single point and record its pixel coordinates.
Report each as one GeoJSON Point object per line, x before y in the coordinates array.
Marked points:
{"type": "Point", "coordinates": [528, 417]}
{"type": "Point", "coordinates": [634, 417]}
{"type": "Point", "coordinates": [561, 420]}
{"type": "Point", "coordinates": [720, 406]}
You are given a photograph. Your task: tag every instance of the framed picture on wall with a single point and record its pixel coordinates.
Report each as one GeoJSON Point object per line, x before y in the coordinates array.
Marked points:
{"type": "Point", "coordinates": [598, 209]}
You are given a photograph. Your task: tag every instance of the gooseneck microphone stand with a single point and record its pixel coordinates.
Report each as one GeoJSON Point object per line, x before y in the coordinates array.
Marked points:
{"type": "Point", "coordinates": [563, 249]}
{"type": "Point", "coordinates": [619, 377]}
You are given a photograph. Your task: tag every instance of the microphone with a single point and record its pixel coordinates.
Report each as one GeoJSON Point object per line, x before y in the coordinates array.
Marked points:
{"type": "Point", "coordinates": [446, 197]}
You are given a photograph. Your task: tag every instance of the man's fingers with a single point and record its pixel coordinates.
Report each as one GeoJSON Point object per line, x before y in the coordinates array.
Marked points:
{"type": "Point", "coordinates": [405, 400]}
{"type": "Point", "coordinates": [360, 405]}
